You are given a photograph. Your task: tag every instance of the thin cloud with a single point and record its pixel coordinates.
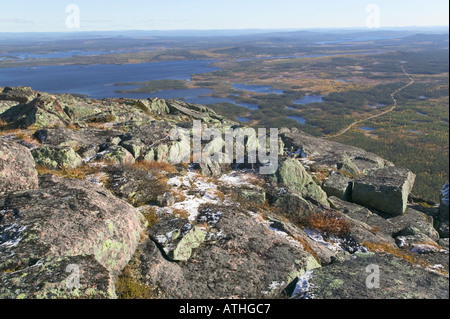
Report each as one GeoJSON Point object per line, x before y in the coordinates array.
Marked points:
{"type": "Point", "coordinates": [17, 21]}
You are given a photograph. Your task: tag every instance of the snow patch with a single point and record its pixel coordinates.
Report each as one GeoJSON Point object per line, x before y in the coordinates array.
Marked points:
{"type": "Point", "coordinates": [274, 285]}
{"type": "Point", "coordinates": [424, 249]}
{"type": "Point", "coordinates": [11, 235]}
{"type": "Point", "coordinates": [193, 182]}
{"type": "Point", "coordinates": [334, 244]}
{"type": "Point", "coordinates": [303, 287]}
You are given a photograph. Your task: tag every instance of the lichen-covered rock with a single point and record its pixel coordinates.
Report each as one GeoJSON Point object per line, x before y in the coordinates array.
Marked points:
{"type": "Point", "coordinates": [137, 186]}
{"type": "Point", "coordinates": [385, 189]}
{"type": "Point", "coordinates": [292, 174]}
{"type": "Point", "coordinates": [415, 219]}
{"type": "Point", "coordinates": [17, 172]}
{"type": "Point", "coordinates": [347, 166]}
{"type": "Point", "coordinates": [72, 277]}
{"type": "Point", "coordinates": [77, 111]}
{"type": "Point", "coordinates": [354, 279]}
{"type": "Point", "coordinates": [194, 111]}
{"type": "Point", "coordinates": [339, 186]}
{"type": "Point", "coordinates": [66, 217]}
{"type": "Point", "coordinates": [118, 155]}
{"type": "Point", "coordinates": [56, 157]}
{"type": "Point", "coordinates": [168, 233]}
{"type": "Point", "coordinates": [133, 146]}
{"type": "Point", "coordinates": [153, 106]}
{"type": "Point", "coordinates": [190, 241]}
{"type": "Point", "coordinates": [292, 204]}
{"type": "Point", "coordinates": [180, 151]}
{"type": "Point", "coordinates": [44, 111]}
{"type": "Point", "coordinates": [253, 196]}
{"type": "Point", "coordinates": [210, 167]}
{"type": "Point", "coordinates": [240, 258]}
{"type": "Point", "coordinates": [166, 199]}
{"type": "Point", "coordinates": [21, 95]}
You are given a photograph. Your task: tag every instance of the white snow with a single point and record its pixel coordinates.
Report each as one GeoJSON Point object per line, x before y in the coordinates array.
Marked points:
{"type": "Point", "coordinates": [303, 286]}
{"type": "Point", "coordinates": [274, 285]}
{"type": "Point", "coordinates": [14, 232]}
{"type": "Point", "coordinates": [334, 244]}
{"type": "Point", "coordinates": [197, 183]}
{"type": "Point", "coordinates": [239, 179]}
{"type": "Point", "coordinates": [424, 249]}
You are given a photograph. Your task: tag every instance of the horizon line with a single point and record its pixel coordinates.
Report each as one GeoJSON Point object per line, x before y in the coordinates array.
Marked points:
{"type": "Point", "coordinates": [358, 28]}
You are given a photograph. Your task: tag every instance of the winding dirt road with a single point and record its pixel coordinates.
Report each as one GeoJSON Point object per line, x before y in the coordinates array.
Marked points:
{"type": "Point", "coordinates": [380, 114]}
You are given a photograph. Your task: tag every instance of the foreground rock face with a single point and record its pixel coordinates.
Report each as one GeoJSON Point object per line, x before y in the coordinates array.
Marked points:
{"type": "Point", "coordinates": [17, 170]}
{"type": "Point", "coordinates": [66, 218]}
{"type": "Point", "coordinates": [54, 278]}
{"type": "Point", "coordinates": [240, 258]}
{"type": "Point", "coordinates": [397, 279]}
{"type": "Point", "coordinates": [385, 189]}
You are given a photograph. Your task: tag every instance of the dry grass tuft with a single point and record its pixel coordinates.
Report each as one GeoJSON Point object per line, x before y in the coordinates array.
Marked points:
{"type": "Point", "coordinates": [128, 287]}
{"type": "Point", "coordinates": [181, 213]}
{"type": "Point", "coordinates": [328, 222]}
{"type": "Point", "coordinates": [179, 195]}
{"type": "Point", "coordinates": [81, 172]}
{"type": "Point", "coordinates": [150, 215]}
{"type": "Point", "coordinates": [155, 166]}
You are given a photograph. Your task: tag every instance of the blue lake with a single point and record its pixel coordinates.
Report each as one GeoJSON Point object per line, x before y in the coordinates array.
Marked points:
{"type": "Point", "coordinates": [97, 81]}
{"type": "Point", "coordinates": [367, 128]}
{"type": "Point", "coordinates": [299, 119]}
{"type": "Point", "coordinates": [415, 131]}
{"type": "Point", "coordinates": [257, 88]}
{"type": "Point", "coordinates": [309, 99]}
{"type": "Point", "coordinates": [377, 105]}
{"type": "Point", "coordinates": [243, 119]}
{"type": "Point", "coordinates": [61, 54]}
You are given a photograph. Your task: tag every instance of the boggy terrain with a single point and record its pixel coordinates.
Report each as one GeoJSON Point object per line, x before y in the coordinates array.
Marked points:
{"type": "Point", "coordinates": [94, 204]}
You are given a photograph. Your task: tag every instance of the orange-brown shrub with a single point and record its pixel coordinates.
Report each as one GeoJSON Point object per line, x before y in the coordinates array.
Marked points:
{"type": "Point", "coordinates": [329, 222]}
{"type": "Point", "coordinates": [157, 166]}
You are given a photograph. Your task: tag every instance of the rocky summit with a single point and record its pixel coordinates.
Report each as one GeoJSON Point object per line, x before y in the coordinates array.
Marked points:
{"type": "Point", "coordinates": [99, 199]}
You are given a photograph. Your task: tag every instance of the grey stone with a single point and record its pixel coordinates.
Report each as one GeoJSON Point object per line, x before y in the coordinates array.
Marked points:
{"type": "Point", "coordinates": [385, 189]}
{"type": "Point", "coordinates": [415, 219]}
{"type": "Point", "coordinates": [339, 186]}
{"type": "Point", "coordinates": [17, 171]}
{"type": "Point", "coordinates": [56, 157]}
{"type": "Point", "coordinates": [293, 175]}
{"type": "Point", "coordinates": [253, 196]}
{"type": "Point", "coordinates": [166, 199]}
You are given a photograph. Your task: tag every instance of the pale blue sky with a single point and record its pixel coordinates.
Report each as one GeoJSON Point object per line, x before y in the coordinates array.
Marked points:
{"type": "Point", "coordinates": [102, 15]}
